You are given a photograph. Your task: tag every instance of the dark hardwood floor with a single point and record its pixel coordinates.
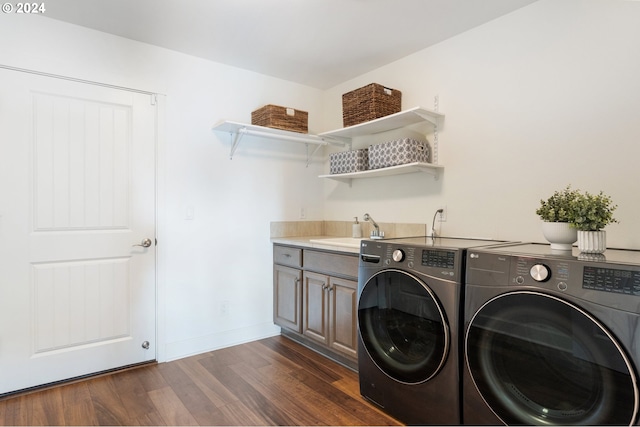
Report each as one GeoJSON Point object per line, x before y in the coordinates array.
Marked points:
{"type": "Point", "coordinates": [274, 381]}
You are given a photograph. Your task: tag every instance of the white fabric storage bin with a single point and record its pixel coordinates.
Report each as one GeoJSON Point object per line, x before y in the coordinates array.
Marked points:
{"type": "Point", "coordinates": [349, 161]}
{"type": "Point", "coordinates": [398, 152]}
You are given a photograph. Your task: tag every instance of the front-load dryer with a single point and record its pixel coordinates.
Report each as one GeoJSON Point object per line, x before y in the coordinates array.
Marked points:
{"type": "Point", "coordinates": [409, 293]}
{"type": "Point", "coordinates": [551, 337]}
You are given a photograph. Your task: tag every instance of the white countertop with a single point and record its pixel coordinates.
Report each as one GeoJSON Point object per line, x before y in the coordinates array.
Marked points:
{"type": "Point", "coordinates": [336, 245]}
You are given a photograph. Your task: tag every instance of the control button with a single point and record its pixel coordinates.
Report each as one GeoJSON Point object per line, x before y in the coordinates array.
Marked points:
{"type": "Point", "coordinates": [387, 261]}
{"type": "Point", "coordinates": [519, 280]}
{"type": "Point", "coordinates": [540, 273]}
{"type": "Point", "coordinates": [410, 264]}
{"type": "Point", "coordinates": [398, 255]}
{"type": "Point", "coordinates": [562, 286]}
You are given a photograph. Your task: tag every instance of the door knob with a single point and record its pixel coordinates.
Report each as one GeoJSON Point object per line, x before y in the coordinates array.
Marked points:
{"type": "Point", "coordinates": [145, 243]}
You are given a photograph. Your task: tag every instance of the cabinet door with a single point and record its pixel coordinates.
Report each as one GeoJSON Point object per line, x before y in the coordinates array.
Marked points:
{"type": "Point", "coordinates": [343, 311]}
{"type": "Point", "coordinates": [287, 297]}
{"type": "Point", "coordinates": [315, 307]}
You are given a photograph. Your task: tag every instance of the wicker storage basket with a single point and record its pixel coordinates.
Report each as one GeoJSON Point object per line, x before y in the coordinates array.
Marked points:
{"type": "Point", "coordinates": [369, 102]}
{"type": "Point", "coordinates": [398, 152]}
{"type": "Point", "coordinates": [349, 161]}
{"type": "Point", "coordinates": [284, 118]}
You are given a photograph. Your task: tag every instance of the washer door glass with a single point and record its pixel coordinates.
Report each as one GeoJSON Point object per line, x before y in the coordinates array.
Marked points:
{"type": "Point", "coordinates": [537, 359]}
{"type": "Point", "coordinates": [402, 326]}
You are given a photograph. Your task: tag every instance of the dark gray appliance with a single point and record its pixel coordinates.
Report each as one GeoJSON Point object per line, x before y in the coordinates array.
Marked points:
{"type": "Point", "coordinates": [409, 296]}
{"type": "Point", "coordinates": [551, 337]}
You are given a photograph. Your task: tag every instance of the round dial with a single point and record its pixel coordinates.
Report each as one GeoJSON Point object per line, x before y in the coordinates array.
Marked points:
{"type": "Point", "coordinates": [398, 255]}
{"type": "Point", "coordinates": [540, 273]}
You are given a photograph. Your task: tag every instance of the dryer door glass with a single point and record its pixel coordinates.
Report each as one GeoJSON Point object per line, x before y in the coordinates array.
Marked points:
{"type": "Point", "coordinates": [402, 326]}
{"type": "Point", "coordinates": [537, 359]}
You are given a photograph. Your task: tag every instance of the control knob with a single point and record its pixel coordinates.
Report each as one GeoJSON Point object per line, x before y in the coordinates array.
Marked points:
{"type": "Point", "coordinates": [398, 255]}
{"type": "Point", "coordinates": [540, 273]}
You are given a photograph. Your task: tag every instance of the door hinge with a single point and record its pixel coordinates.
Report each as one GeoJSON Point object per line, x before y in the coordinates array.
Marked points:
{"type": "Point", "coordinates": [154, 99]}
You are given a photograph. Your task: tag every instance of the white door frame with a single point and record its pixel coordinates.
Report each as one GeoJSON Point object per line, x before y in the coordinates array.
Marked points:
{"type": "Point", "coordinates": [160, 169]}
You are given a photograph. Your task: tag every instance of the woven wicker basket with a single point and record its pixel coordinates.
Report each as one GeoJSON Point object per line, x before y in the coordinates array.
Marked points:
{"type": "Point", "coordinates": [284, 118]}
{"type": "Point", "coordinates": [368, 103]}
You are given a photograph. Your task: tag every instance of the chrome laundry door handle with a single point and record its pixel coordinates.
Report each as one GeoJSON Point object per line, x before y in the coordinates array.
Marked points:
{"type": "Point", "coordinates": [145, 243]}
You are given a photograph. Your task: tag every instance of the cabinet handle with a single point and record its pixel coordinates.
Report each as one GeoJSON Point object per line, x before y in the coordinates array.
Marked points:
{"type": "Point", "coordinates": [296, 281]}
{"type": "Point", "coordinates": [324, 287]}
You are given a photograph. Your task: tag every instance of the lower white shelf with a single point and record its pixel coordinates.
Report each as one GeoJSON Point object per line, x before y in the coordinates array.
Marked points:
{"type": "Point", "coordinates": [392, 170]}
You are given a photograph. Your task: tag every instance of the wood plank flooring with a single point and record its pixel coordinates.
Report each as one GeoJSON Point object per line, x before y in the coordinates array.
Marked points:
{"type": "Point", "coordinates": [274, 381]}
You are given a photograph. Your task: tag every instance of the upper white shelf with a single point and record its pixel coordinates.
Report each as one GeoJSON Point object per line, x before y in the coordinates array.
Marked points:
{"type": "Point", "coordinates": [393, 121]}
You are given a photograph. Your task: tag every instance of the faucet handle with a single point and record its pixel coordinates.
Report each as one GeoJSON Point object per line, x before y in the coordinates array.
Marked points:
{"type": "Point", "coordinates": [376, 234]}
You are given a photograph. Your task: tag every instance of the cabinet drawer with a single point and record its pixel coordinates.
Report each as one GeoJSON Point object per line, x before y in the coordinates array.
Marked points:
{"type": "Point", "coordinates": [330, 263]}
{"type": "Point", "coordinates": [286, 255]}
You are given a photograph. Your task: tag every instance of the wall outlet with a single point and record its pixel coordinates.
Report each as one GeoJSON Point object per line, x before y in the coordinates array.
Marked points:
{"type": "Point", "coordinates": [442, 216]}
{"type": "Point", "coordinates": [189, 213]}
{"type": "Point", "coordinates": [224, 308]}
{"type": "Point", "coordinates": [303, 213]}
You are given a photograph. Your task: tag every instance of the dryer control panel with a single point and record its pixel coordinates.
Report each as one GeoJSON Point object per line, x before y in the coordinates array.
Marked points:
{"type": "Point", "coordinates": [612, 284]}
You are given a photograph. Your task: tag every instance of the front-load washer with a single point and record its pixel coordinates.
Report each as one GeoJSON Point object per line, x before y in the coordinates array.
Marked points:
{"type": "Point", "coordinates": [409, 293]}
{"type": "Point", "coordinates": [551, 337]}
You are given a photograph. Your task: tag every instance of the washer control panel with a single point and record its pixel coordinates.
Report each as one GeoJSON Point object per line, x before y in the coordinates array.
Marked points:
{"type": "Point", "coordinates": [434, 261]}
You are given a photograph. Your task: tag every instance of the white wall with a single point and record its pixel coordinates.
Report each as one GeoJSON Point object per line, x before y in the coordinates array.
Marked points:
{"type": "Point", "coordinates": [546, 96]}
{"type": "Point", "coordinates": [224, 253]}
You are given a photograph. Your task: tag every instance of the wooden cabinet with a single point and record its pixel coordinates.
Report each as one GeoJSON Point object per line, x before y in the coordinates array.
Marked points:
{"type": "Point", "coordinates": [287, 287]}
{"type": "Point", "coordinates": [287, 294]}
{"type": "Point", "coordinates": [328, 305]}
{"type": "Point", "coordinates": [343, 316]}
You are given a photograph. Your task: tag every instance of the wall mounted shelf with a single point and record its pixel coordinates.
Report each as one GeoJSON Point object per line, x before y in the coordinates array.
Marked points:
{"type": "Point", "coordinates": [343, 138]}
{"type": "Point", "coordinates": [393, 121]}
{"type": "Point", "coordinates": [428, 168]}
{"type": "Point", "coordinates": [238, 130]}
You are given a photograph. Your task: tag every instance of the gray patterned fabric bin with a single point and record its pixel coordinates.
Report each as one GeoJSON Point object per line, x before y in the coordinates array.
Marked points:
{"type": "Point", "coordinates": [349, 161]}
{"type": "Point", "coordinates": [398, 152]}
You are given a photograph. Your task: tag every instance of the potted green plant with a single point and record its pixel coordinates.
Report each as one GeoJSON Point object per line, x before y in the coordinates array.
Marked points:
{"type": "Point", "coordinates": [591, 213]}
{"type": "Point", "coordinates": [557, 213]}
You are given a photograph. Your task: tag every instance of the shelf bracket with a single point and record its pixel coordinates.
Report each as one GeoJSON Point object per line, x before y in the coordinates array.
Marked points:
{"type": "Point", "coordinates": [433, 120]}
{"type": "Point", "coordinates": [235, 142]}
{"type": "Point", "coordinates": [310, 156]}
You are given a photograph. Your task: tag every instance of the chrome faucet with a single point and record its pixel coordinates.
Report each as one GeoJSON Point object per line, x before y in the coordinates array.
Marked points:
{"type": "Point", "coordinates": [375, 233]}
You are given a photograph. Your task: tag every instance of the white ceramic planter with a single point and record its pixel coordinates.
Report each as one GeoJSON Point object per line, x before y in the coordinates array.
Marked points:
{"type": "Point", "coordinates": [592, 242]}
{"type": "Point", "coordinates": [560, 235]}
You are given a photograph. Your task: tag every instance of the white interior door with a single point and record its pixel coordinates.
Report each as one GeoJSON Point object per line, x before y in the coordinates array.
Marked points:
{"type": "Point", "coordinates": [77, 190]}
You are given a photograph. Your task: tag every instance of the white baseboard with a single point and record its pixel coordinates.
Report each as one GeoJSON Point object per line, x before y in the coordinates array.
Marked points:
{"type": "Point", "coordinates": [193, 346]}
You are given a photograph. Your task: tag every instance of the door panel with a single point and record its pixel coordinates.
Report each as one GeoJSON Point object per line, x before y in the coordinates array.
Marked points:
{"type": "Point", "coordinates": [77, 175]}
{"type": "Point", "coordinates": [343, 299]}
{"type": "Point", "coordinates": [315, 307]}
{"type": "Point", "coordinates": [287, 286]}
